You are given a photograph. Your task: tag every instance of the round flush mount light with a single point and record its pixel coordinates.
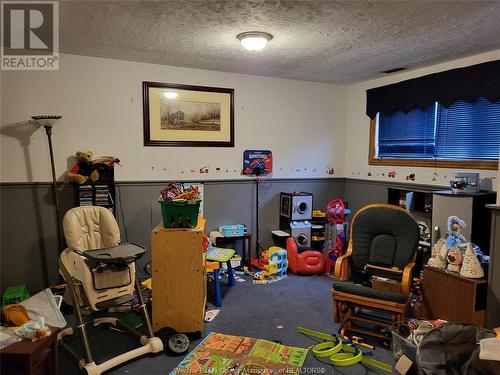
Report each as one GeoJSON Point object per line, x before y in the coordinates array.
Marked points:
{"type": "Point", "coordinates": [254, 40]}
{"type": "Point", "coordinates": [170, 95]}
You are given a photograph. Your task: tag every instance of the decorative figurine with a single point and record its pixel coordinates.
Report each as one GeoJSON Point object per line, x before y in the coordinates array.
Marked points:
{"type": "Point", "coordinates": [454, 259]}
{"type": "Point", "coordinates": [439, 252]}
{"type": "Point", "coordinates": [454, 236]}
{"type": "Point", "coordinates": [471, 267]}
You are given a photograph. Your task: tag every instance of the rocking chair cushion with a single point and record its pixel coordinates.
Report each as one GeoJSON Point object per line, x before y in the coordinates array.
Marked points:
{"type": "Point", "coordinates": [383, 236]}
{"type": "Point", "coordinates": [364, 291]}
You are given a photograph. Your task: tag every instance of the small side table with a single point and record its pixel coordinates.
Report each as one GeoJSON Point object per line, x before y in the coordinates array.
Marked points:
{"type": "Point", "coordinates": [31, 357]}
{"type": "Point", "coordinates": [452, 297]}
{"type": "Point", "coordinates": [246, 239]}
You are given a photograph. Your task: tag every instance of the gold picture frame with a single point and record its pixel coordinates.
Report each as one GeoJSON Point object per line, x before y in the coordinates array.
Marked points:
{"type": "Point", "coordinates": [177, 115]}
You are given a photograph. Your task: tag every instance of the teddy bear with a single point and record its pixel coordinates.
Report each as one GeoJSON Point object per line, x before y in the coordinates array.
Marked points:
{"type": "Point", "coordinates": [84, 171]}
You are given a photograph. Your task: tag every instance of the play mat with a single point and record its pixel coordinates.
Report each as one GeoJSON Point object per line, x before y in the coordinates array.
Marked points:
{"type": "Point", "coordinates": [239, 355]}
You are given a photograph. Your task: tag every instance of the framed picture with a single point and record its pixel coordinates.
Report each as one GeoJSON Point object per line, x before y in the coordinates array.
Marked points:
{"type": "Point", "coordinates": [187, 116]}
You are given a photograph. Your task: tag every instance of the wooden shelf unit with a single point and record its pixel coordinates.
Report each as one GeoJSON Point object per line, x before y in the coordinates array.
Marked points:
{"type": "Point", "coordinates": [179, 280]}
{"type": "Point", "coordinates": [451, 297]}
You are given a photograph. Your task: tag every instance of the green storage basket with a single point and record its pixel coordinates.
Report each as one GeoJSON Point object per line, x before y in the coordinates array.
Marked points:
{"type": "Point", "coordinates": [15, 294]}
{"type": "Point", "coordinates": [180, 214]}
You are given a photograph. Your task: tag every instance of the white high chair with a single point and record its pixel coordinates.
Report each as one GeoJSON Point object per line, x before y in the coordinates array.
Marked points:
{"type": "Point", "coordinates": [100, 273]}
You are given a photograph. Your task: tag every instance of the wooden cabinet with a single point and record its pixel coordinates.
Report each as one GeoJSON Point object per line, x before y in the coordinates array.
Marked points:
{"type": "Point", "coordinates": [31, 357]}
{"type": "Point", "coordinates": [178, 278]}
{"type": "Point", "coordinates": [452, 297]}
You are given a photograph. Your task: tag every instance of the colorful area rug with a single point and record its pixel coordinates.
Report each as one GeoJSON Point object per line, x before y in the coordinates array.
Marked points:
{"type": "Point", "coordinates": [238, 355]}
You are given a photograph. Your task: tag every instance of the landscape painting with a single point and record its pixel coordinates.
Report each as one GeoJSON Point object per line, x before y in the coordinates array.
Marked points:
{"type": "Point", "coordinates": [178, 115]}
{"type": "Point", "coordinates": [181, 115]}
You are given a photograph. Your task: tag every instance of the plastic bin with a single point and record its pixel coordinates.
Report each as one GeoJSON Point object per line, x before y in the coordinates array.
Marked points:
{"type": "Point", "coordinates": [15, 294]}
{"type": "Point", "coordinates": [232, 230]}
{"type": "Point", "coordinates": [401, 345]}
{"type": "Point", "coordinates": [180, 214]}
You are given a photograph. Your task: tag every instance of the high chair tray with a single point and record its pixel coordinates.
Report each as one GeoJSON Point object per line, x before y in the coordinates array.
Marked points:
{"type": "Point", "coordinates": [127, 252]}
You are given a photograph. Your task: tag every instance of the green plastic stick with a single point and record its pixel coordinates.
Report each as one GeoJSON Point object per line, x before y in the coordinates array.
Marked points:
{"type": "Point", "coordinates": [320, 335]}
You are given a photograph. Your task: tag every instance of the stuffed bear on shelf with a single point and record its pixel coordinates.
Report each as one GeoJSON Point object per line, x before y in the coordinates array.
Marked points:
{"type": "Point", "coordinates": [84, 170]}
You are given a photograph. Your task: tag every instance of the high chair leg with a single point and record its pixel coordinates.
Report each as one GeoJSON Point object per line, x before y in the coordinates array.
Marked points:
{"type": "Point", "coordinates": [144, 311]}
{"type": "Point", "coordinates": [78, 314]}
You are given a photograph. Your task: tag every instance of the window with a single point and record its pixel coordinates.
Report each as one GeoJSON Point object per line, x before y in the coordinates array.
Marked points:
{"type": "Point", "coordinates": [462, 135]}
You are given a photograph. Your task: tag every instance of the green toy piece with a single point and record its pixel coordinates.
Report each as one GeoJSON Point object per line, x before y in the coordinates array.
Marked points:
{"type": "Point", "coordinates": [339, 352]}
{"type": "Point", "coordinates": [15, 294]}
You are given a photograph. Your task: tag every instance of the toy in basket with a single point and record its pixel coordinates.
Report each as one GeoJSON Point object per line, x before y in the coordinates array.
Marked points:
{"type": "Point", "coordinates": [232, 230]}
{"type": "Point", "coordinates": [179, 207]}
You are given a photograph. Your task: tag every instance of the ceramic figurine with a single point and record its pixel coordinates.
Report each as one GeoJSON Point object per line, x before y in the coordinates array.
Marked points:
{"type": "Point", "coordinates": [454, 259]}
{"type": "Point", "coordinates": [439, 252]}
{"type": "Point", "coordinates": [454, 236]}
{"type": "Point", "coordinates": [471, 267]}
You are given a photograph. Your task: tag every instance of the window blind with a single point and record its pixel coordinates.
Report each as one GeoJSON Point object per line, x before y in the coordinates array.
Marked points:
{"type": "Point", "coordinates": [407, 135]}
{"type": "Point", "coordinates": [468, 130]}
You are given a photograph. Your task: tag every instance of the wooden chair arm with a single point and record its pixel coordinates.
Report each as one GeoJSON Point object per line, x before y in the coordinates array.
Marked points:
{"type": "Point", "coordinates": [341, 271]}
{"type": "Point", "coordinates": [407, 277]}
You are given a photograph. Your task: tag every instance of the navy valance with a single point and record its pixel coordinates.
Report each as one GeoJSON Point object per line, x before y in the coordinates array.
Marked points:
{"type": "Point", "coordinates": [444, 87]}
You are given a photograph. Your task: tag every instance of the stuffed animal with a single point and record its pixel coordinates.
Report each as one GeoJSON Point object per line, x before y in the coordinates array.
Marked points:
{"type": "Point", "coordinates": [84, 171]}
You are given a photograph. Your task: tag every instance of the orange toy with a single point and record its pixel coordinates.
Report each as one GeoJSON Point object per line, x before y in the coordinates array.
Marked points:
{"type": "Point", "coordinates": [16, 315]}
{"type": "Point", "coordinates": [306, 262]}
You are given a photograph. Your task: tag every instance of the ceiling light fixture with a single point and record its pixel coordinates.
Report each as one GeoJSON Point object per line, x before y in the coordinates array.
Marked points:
{"type": "Point", "coordinates": [170, 95]}
{"type": "Point", "coordinates": [254, 40]}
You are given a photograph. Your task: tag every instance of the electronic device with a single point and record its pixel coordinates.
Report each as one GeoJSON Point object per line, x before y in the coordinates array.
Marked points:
{"type": "Point", "coordinates": [301, 232]}
{"type": "Point", "coordinates": [465, 182]}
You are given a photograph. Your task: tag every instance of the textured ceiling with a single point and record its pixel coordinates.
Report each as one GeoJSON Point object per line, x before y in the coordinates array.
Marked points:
{"type": "Point", "coordinates": [325, 41]}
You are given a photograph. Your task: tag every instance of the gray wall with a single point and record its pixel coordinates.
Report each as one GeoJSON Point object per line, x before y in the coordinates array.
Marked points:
{"type": "Point", "coordinates": [28, 232]}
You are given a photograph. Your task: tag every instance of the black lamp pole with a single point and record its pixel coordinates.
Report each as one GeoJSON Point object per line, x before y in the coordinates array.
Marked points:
{"type": "Point", "coordinates": [60, 242]}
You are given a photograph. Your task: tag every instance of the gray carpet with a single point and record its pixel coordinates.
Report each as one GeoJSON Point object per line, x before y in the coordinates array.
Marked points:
{"type": "Point", "coordinates": [270, 312]}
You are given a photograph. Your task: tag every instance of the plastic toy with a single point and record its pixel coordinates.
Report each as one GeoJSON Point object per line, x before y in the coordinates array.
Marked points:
{"type": "Point", "coordinates": [336, 232]}
{"type": "Point", "coordinates": [257, 162]}
{"type": "Point", "coordinates": [275, 267]}
{"type": "Point", "coordinates": [341, 352]}
{"type": "Point", "coordinates": [277, 263]}
{"type": "Point", "coordinates": [306, 262]}
{"type": "Point", "coordinates": [15, 294]}
{"type": "Point", "coordinates": [356, 340]}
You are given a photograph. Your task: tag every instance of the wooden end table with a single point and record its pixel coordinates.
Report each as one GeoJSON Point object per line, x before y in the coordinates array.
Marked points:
{"type": "Point", "coordinates": [31, 357]}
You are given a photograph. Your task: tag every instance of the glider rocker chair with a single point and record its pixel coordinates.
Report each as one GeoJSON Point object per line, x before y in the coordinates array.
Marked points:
{"type": "Point", "coordinates": [100, 273]}
{"type": "Point", "coordinates": [383, 242]}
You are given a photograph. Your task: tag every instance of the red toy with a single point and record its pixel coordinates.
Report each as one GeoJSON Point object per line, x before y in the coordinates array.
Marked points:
{"type": "Point", "coordinates": [257, 162]}
{"type": "Point", "coordinates": [307, 262]}
{"type": "Point", "coordinates": [337, 232]}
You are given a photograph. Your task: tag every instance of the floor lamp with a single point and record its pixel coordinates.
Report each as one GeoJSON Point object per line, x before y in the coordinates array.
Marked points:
{"type": "Point", "coordinates": [48, 121]}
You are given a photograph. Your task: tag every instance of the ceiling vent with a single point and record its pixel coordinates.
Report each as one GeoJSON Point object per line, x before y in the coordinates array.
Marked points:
{"type": "Point", "coordinates": [394, 70]}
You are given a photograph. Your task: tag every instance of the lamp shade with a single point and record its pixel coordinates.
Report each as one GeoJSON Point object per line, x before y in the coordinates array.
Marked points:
{"type": "Point", "coordinates": [254, 40]}
{"type": "Point", "coordinates": [46, 120]}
